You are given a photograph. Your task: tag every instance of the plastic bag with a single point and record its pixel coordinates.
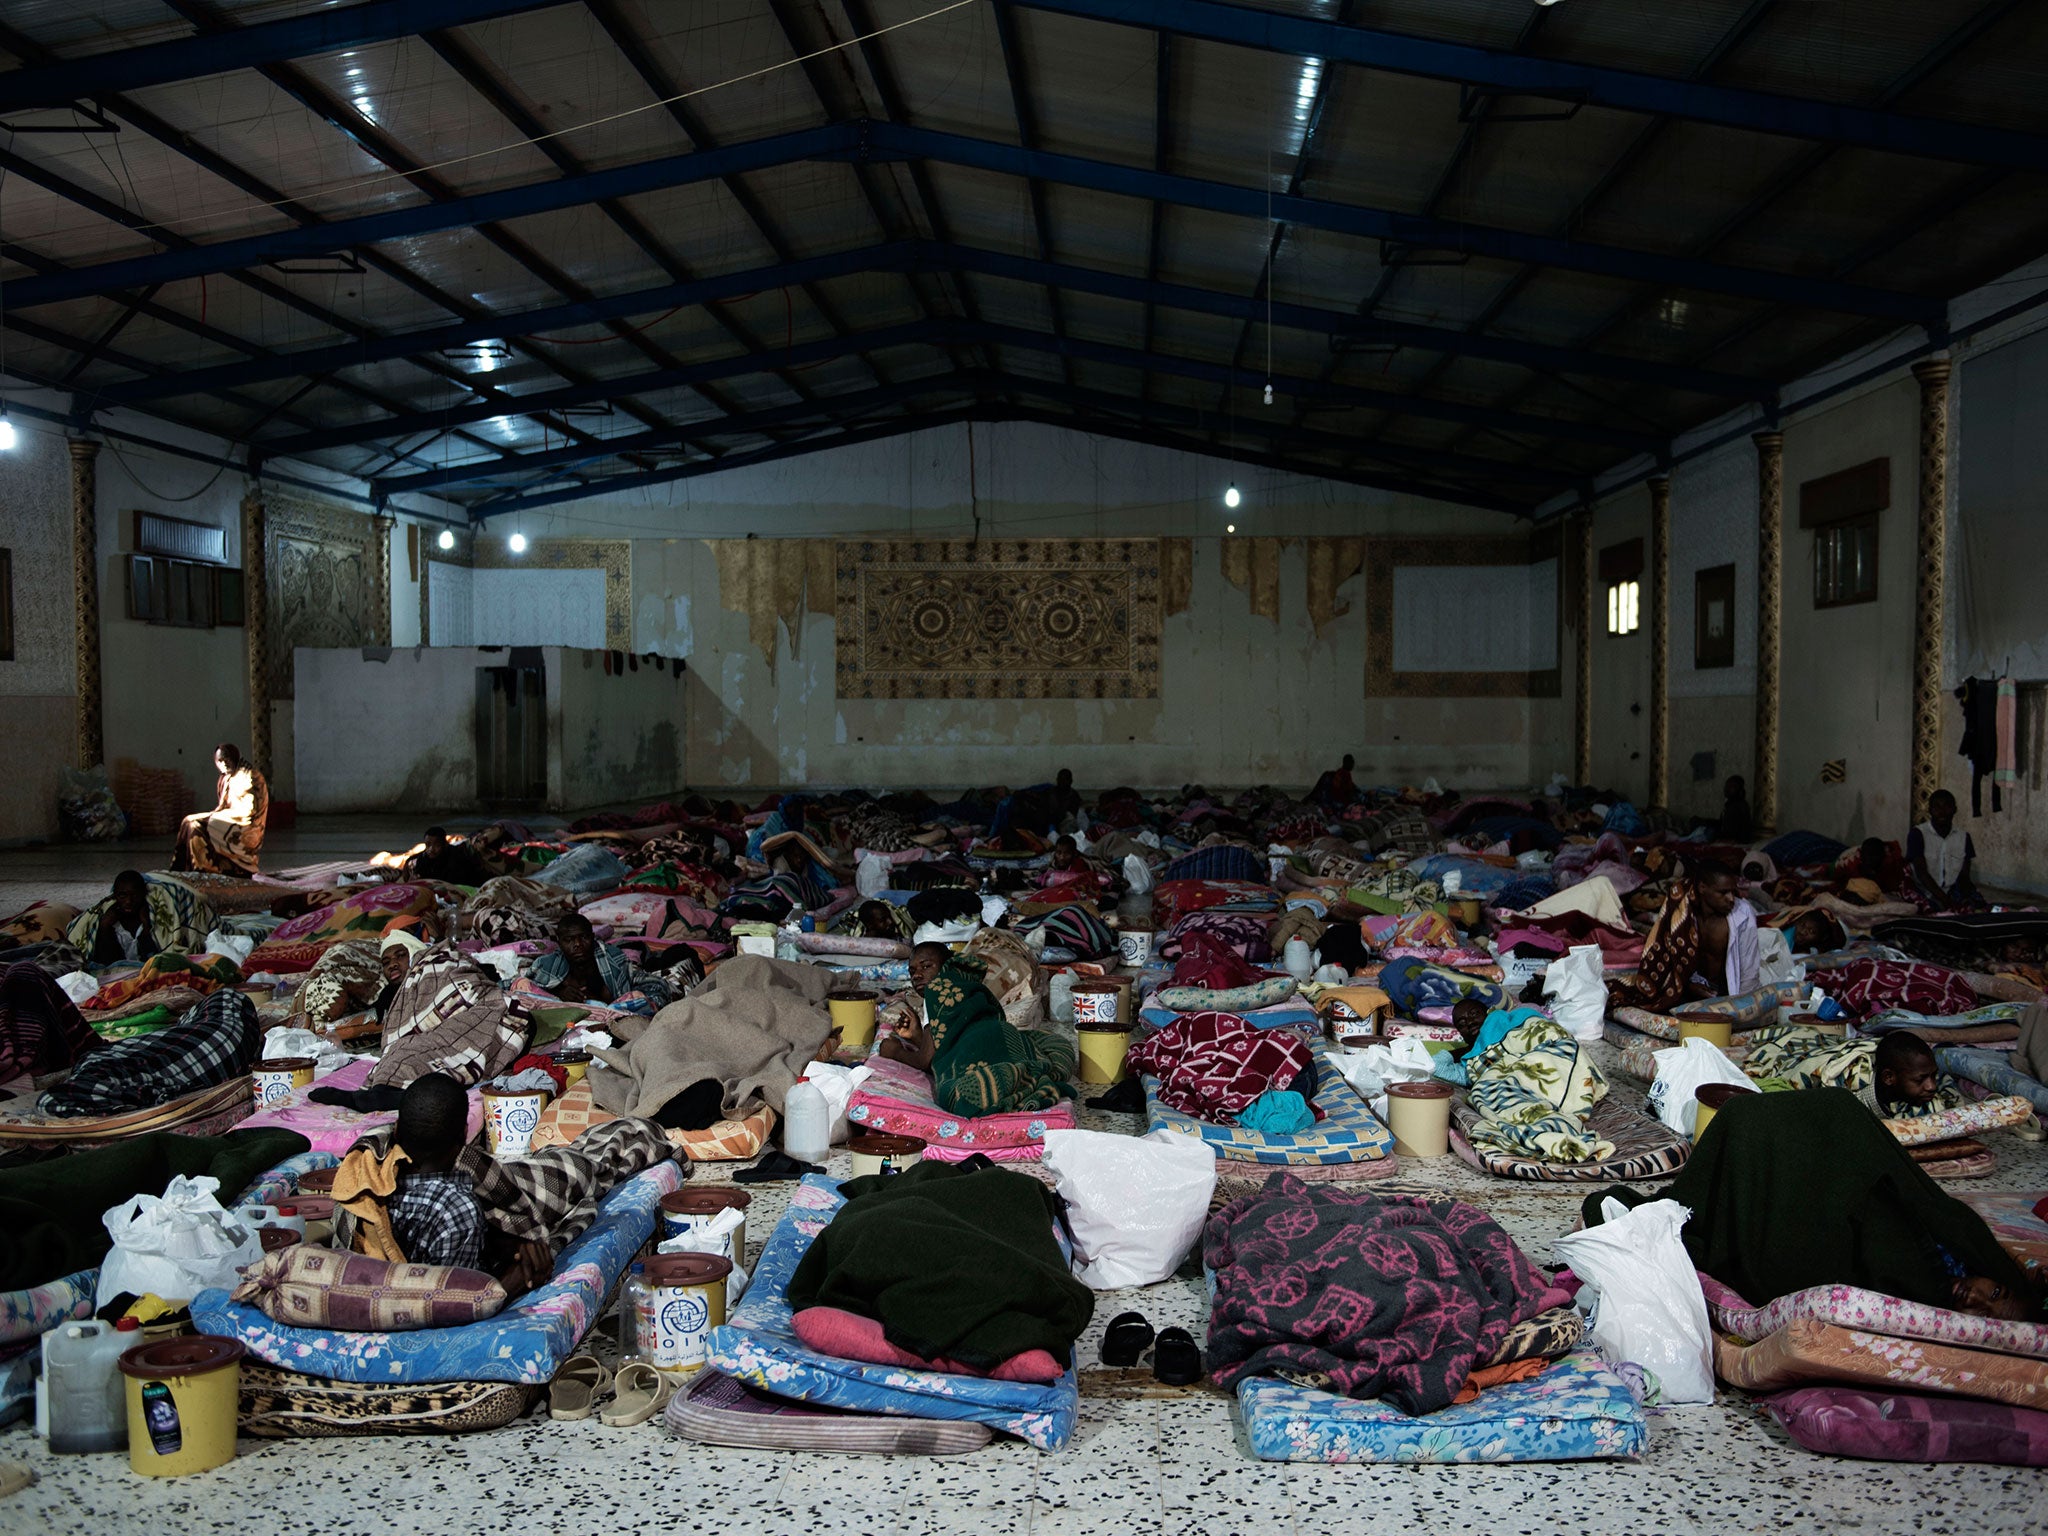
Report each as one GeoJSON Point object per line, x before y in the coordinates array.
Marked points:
{"type": "Point", "coordinates": [715, 1237]}
{"type": "Point", "coordinates": [1135, 1205]}
{"type": "Point", "coordinates": [1643, 1295]}
{"type": "Point", "coordinates": [78, 985]}
{"type": "Point", "coordinates": [1775, 966]}
{"type": "Point", "coordinates": [872, 876]}
{"type": "Point", "coordinates": [1137, 874]}
{"type": "Point", "coordinates": [1575, 990]}
{"type": "Point", "coordinates": [175, 1245]}
{"type": "Point", "coordinates": [86, 808]}
{"type": "Point", "coordinates": [1681, 1073]}
{"type": "Point", "coordinates": [1370, 1068]}
{"type": "Point", "coordinates": [231, 946]}
{"type": "Point", "coordinates": [326, 1056]}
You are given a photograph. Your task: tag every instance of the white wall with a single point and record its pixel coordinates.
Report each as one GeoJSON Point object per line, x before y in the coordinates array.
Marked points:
{"type": "Point", "coordinates": [387, 734]}
{"type": "Point", "coordinates": [621, 733]}
{"type": "Point", "coordinates": [38, 689]}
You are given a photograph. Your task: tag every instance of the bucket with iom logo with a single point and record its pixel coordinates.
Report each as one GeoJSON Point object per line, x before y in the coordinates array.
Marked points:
{"type": "Point", "coordinates": [684, 1301]}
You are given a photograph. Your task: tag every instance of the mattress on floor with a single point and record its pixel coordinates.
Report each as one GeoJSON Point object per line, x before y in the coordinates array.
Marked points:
{"type": "Point", "coordinates": [1905, 1426]}
{"type": "Point", "coordinates": [524, 1343]}
{"type": "Point", "coordinates": [330, 1127]}
{"type": "Point", "coordinates": [1638, 1058]}
{"type": "Point", "coordinates": [1349, 1131]}
{"type": "Point", "coordinates": [759, 1347]}
{"type": "Point", "coordinates": [2011, 1218]}
{"type": "Point", "coordinates": [1975, 1166]}
{"type": "Point", "coordinates": [1848, 1306]}
{"type": "Point", "coordinates": [1964, 1120]}
{"type": "Point", "coordinates": [1296, 1013]}
{"type": "Point", "coordinates": [1577, 1410]}
{"type": "Point", "coordinates": [716, 1410]}
{"type": "Point", "coordinates": [1808, 1350]}
{"type": "Point", "coordinates": [208, 1112]}
{"type": "Point", "coordinates": [288, 1405]}
{"type": "Point", "coordinates": [897, 1100]}
{"type": "Point", "coordinates": [1644, 1148]}
{"type": "Point", "coordinates": [1992, 1070]}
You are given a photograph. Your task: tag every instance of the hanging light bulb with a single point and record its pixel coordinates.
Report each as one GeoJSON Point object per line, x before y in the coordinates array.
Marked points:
{"type": "Point", "coordinates": [1231, 497]}
{"type": "Point", "coordinates": [447, 539]}
{"type": "Point", "coordinates": [517, 543]}
{"type": "Point", "coordinates": [1230, 527]}
{"type": "Point", "coordinates": [1269, 394]}
{"type": "Point", "coordinates": [8, 436]}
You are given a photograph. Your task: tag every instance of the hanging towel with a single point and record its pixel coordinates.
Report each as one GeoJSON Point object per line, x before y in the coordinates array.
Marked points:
{"type": "Point", "coordinates": [2005, 772]}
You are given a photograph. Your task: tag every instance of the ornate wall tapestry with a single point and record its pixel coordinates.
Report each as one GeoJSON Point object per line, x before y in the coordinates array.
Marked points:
{"type": "Point", "coordinates": [1462, 618]}
{"type": "Point", "coordinates": [324, 577]}
{"type": "Point", "coordinates": [1000, 619]}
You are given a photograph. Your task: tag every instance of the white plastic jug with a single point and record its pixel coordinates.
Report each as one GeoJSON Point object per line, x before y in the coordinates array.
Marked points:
{"type": "Point", "coordinates": [1299, 960]}
{"type": "Point", "coordinates": [806, 1123]}
{"type": "Point", "coordinates": [88, 1403]}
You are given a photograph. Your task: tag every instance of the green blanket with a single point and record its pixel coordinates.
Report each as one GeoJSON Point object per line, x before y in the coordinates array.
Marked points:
{"type": "Point", "coordinates": [982, 1064]}
{"type": "Point", "coordinates": [955, 1260]}
{"type": "Point", "coordinates": [1792, 1190]}
{"type": "Point", "coordinates": [51, 1211]}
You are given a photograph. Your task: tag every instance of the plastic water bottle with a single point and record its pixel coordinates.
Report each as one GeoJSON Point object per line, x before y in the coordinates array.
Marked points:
{"type": "Point", "coordinates": [806, 1123]}
{"type": "Point", "coordinates": [786, 947]}
{"type": "Point", "coordinates": [632, 1296]}
{"type": "Point", "coordinates": [88, 1406]}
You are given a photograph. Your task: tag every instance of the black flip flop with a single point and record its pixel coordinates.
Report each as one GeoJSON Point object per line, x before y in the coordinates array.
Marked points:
{"type": "Point", "coordinates": [1175, 1360]}
{"type": "Point", "coordinates": [1127, 1337]}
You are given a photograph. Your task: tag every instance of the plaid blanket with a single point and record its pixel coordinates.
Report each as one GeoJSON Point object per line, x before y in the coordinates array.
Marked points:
{"type": "Point", "coordinates": [213, 1042]}
{"type": "Point", "coordinates": [1213, 1065]}
{"type": "Point", "coordinates": [1223, 861]}
{"type": "Point", "coordinates": [41, 1030]}
{"type": "Point", "coordinates": [632, 989]}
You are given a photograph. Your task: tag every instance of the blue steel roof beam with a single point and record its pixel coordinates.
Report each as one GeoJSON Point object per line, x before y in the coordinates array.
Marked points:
{"type": "Point", "coordinates": [1564, 80]}
{"type": "Point", "coordinates": [885, 140]}
{"type": "Point", "coordinates": [59, 82]}
{"type": "Point", "coordinates": [1162, 148]}
{"type": "Point", "coordinates": [379, 145]}
{"type": "Point", "coordinates": [1026, 114]}
{"type": "Point", "coordinates": [1742, 29]}
{"type": "Point", "coordinates": [931, 256]}
{"type": "Point", "coordinates": [1952, 43]}
{"type": "Point", "coordinates": [666, 90]}
{"type": "Point", "coordinates": [95, 349]}
{"type": "Point", "coordinates": [177, 140]}
{"type": "Point", "coordinates": [956, 336]}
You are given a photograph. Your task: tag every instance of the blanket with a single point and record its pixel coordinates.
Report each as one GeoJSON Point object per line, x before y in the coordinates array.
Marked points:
{"type": "Point", "coordinates": [753, 1028]}
{"type": "Point", "coordinates": [1415, 984]}
{"type": "Point", "coordinates": [982, 1064]}
{"type": "Point", "coordinates": [179, 918]}
{"type": "Point", "coordinates": [41, 1030]}
{"type": "Point", "coordinates": [1812, 1058]}
{"type": "Point", "coordinates": [1214, 1065]}
{"type": "Point", "coordinates": [214, 1041]}
{"type": "Point", "coordinates": [1865, 987]}
{"type": "Point", "coordinates": [632, 989]}
{"type": "Point", "coordinates": [1535, 1087]}
{"type": "Point", "coordinates": [448, 1015]}
{"type": "Point", "coordinates": [1345, 1290]}
{"type": "Point", "coordinates": [52, 1210]}
{"type": "Point", "coordinates": [957, 1261]}
{"type": "Point", "coordinates": [1795, 1190]}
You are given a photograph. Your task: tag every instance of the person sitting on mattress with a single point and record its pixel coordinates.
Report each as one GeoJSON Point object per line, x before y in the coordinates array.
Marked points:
{"type": "Point", "coordinates": [127, 930]}
{"type": "Point", "coordinates": [1893, 1076]}
{"type": "Point", "coordinates": [981, 1063]}
{"type": "Point", "coordinates": [420, 1192]}
{"type": "Point", "coordinates": [581, 970]}
{"type": "Point", "coordinates": [1794, 1190]}
{"type": "Point", "coordinates": [1702, 944]}
{"type": "Point", "coordinates": [1336, 788]}
{"type": "Point", "coordinates": [1941, 853]}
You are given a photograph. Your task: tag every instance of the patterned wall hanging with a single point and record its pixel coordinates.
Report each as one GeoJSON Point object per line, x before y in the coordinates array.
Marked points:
{"type": "Point", "coordinates": [324, 581]}
{"type": "Point", "coordinates": [999, 619]}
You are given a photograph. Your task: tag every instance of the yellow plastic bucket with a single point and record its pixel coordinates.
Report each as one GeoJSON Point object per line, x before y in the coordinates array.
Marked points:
{"type": "Point", "coordinates": [1709, 1097]}
{"type": "Point", "coordinates": [853, 1015]}
{"type": "Point", "coordinates": [1102, 1053]}
{"type": "Point", "coordinates": [1719, 1033]}
{"type": "Point", "coordinates": [184, 1400]}
{"type": "Point", "coordinates": [1419, 1115]}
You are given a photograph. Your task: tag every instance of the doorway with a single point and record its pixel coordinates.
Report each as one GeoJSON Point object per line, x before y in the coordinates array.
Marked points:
{"type": "Point", "coordinates": [512, 736]}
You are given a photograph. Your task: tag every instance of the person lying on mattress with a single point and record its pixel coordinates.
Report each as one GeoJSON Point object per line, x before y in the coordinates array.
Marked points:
{"type": "Point", "coordinates": [981, 1063]}
{"type": "Point", "coordinates": [1702, 944]}
{"type": "Point", "coordinates": [419, 1192]}
{"type": "Point", "coordinates": [451, 860]}
{"type": "Point", "coordinates": [581, 970]}
{"type": "Point", "coordinates": [1534, 1087]}
{"type": "Point", "coordinates": [1893, 1076]}
{"type": "Point", "coordinates": [1794, 1190]}
{"type": "Point", "coordinates": [41, 1029]}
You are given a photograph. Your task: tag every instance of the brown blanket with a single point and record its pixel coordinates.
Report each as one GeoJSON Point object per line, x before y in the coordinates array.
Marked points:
{"type": "Point", "coordinates": [754, 1027]}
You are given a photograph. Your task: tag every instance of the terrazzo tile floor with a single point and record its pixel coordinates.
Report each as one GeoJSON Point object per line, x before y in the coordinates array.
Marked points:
{"type": "Point", "coordinates": [1170, 1465]}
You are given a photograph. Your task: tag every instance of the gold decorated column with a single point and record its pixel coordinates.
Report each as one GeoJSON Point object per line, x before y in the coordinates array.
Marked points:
{"type": "Point", "coordinates": [1770, 597]}
{"type": "Point", "coordinates": [1660, 640]}
{"type": "Point", "coordinates": [85, 598]}
{"type": "Point", "coordinates": [380, 578]}
{"type": "Point", "coordinates": [1582, 712]}
{"type": "Point", "coordinates": [1931, 600]}
{"type": "Point", "coordinates": [256, 621]}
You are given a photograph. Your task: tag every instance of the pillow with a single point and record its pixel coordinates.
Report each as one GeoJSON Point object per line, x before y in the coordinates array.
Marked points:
{"type": "Point", "coordinates": [569, 1116]}
{"type": "Point", "coordinates": [1901, 1426]}
{"type": "Point", "coordinates": [1260, 994]}
{"type": "Point", "coordinates": [311, 1287]}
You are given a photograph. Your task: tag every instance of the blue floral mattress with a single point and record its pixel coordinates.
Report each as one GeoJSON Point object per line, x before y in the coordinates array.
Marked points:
{"type": "Point", "coordinates": [1993, 1070]}
{"type": "Point", "coordinates": [759, 1346]}
{"type": "Point", "coordinates": [1295, 1013]}
{"type": "Point", "coordinates": [526, 1342]}
{"type": "Point", "coordinates": [1577, 1410]}
{"type": "Point", "coordinates": [1349, 1131]}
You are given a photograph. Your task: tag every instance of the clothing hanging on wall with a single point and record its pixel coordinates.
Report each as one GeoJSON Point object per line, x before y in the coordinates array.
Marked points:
{"type": "Point", "coordinates": [1979, 697]}
{"type": "Point", "coordinates": [2005, 773]}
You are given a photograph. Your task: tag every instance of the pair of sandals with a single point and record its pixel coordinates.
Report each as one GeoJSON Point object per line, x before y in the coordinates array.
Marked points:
{"type": "Point", "coordinates": [1176, 1361]}
{"type": "Point", "coordinates": [639, 1392]}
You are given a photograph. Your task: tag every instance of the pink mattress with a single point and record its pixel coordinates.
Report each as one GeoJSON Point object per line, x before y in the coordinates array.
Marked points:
{"type": "Point", "coordinates": [331, 1128]}
{"type": "Point", "coordinates": [898, 1100]}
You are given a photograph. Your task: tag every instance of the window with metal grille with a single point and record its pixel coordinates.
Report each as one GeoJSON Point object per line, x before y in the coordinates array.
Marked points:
{"type": "Point", "coordinates": [1845, 563]}
{"type": "Point", "coordinates": [1624, 607]}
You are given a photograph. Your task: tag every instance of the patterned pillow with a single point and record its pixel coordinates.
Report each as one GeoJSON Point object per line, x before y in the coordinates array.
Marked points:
{"type": "Point", "coordinates": [568, 1117]}
{"type": "Point", "coordinates": [1260, 994]}
{"type": "Point", "coordinates": [328, 1288]}
{"type": "Point", "coordinates": [1902, 1426]}
{"type": "Point", "coordinates": [1848, 1306]}
{"type": "Point", "coordinates": [284, 1405]}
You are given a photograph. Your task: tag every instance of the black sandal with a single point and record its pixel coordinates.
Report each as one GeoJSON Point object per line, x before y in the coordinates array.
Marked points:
{"type": "Point", "coordinates": [1127, 1337]}
{"type": "Point", "coordinates": [1175, 1360]}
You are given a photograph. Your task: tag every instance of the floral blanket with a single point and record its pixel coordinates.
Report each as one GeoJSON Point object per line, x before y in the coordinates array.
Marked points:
{"type": "Point", "coordinates": [1534, 1090]}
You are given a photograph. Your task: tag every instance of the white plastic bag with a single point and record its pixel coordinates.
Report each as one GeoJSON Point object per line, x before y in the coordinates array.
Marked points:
{"type": "Point", "coordinates": [1137, 874]}
{"type": "Point", "coordinates": [175, 1245]}
{"type": "Point", "coordinates": [232, 946]}
{"type": "Point", "coordinates": [78, 985]}
{"type": "Point", "coordinates": [1136, 1204]}
{"type": "Point", "coordinates": [837, 1084]}
{"type": "Point", "coordinates": [1681, 1072]}
{"type": "Point", "coordinates": [715, 1237]}
{"type": "Point", "coordinates": [1575, 989]}
{"type": "Point", "coordinates": [1371, 1068]}
{"type": "Point", "coordinates": [1644, 1296]}
{"type": "Point", "coordinates": [1775, 966]}
{"type": "Point", "coordinates": [872, 876]}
